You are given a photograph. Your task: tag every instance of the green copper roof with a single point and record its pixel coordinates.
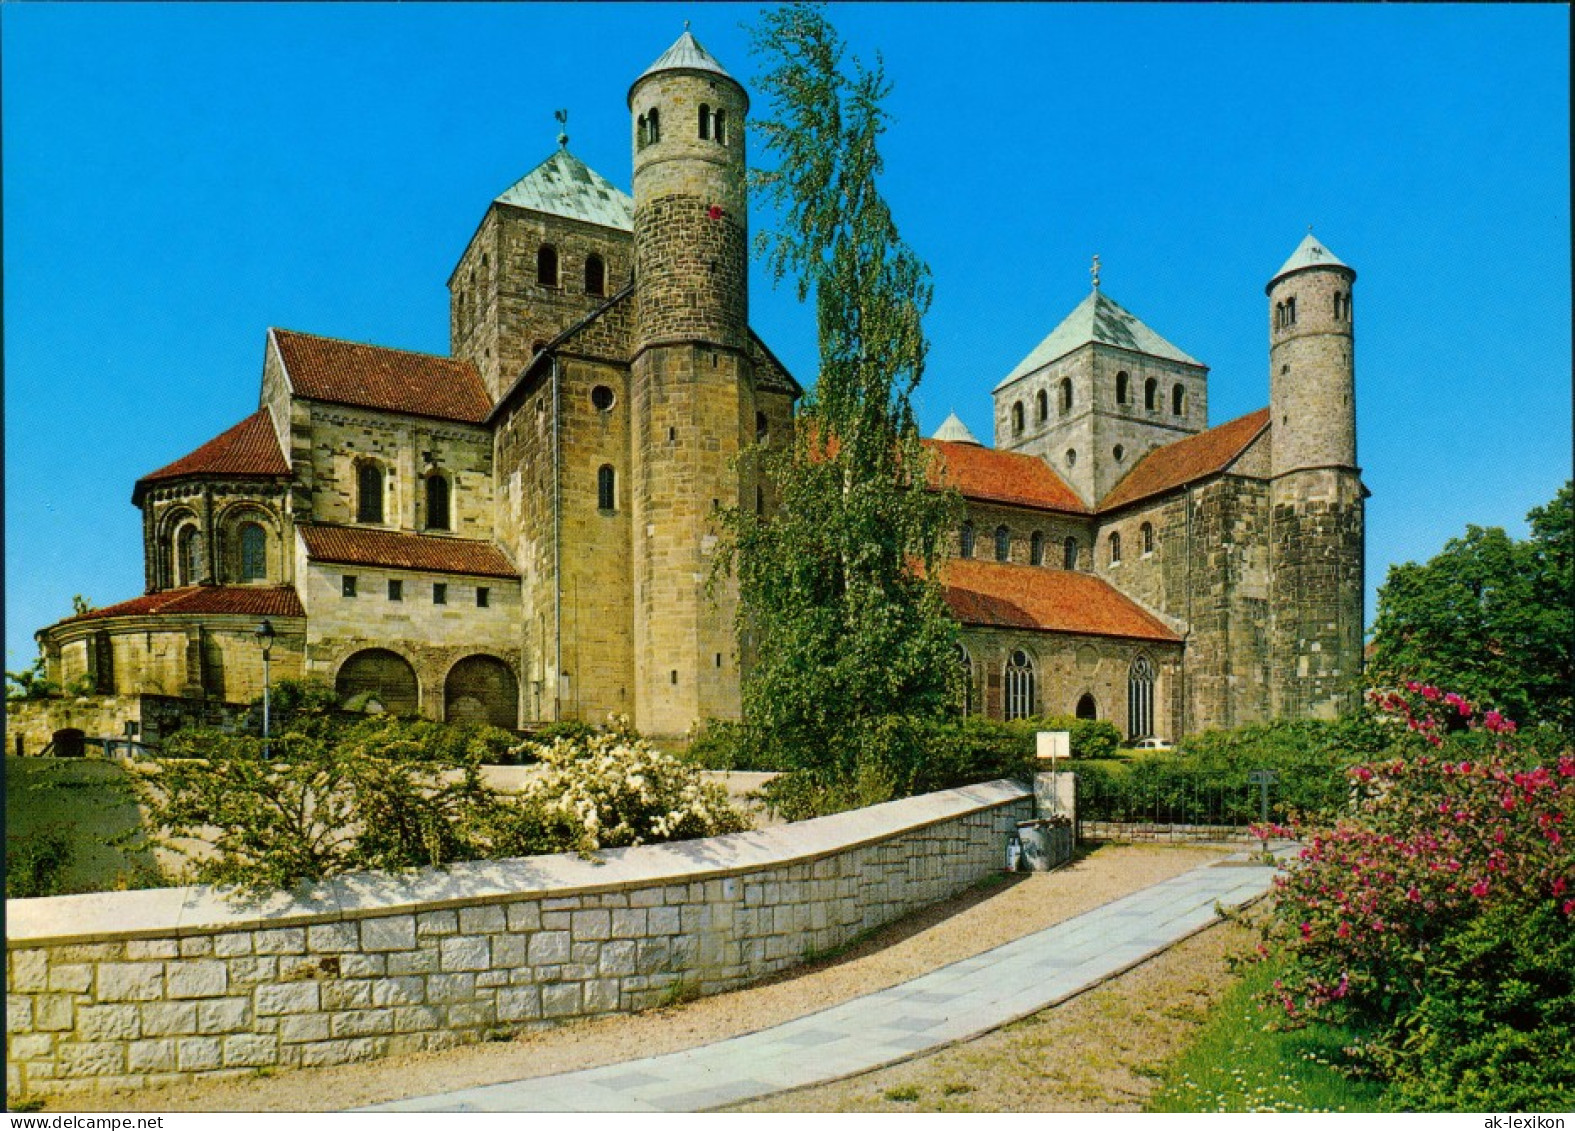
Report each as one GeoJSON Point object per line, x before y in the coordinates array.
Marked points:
{"type": "Point", "coordinates": [955, 431]}
{"type": "Point", "coordinates": [1308, 253]}
{"type": "Point", "coordinates": [686, 55]}
{"type": "Point", "coordinates": [1098, 318]}
{"type": "Point", "coordinates": [563, 185]}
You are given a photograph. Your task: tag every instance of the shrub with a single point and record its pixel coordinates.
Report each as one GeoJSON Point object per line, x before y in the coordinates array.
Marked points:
{"type": "Point", "coordinates": [36, 863]}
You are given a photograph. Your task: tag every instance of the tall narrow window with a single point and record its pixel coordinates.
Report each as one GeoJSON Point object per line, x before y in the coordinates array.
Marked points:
{"type": "Point", "coordinates": [254, 552]}
{"type": "Point", "coordinates": [369, 493]}
{"type": "Point", "coordinates": [1017, 418]}
{"type": "Point", "coordinates": [641, 133]}
{"type": "Point", "coordinates": [1019, 686]}
{"type": "Point", "coordinates": [965, 540]}
{"type": "Point", "coordinates": [1151, 394]}
{"type": "Point", "coordinates": [1290, 311]}
{"type": "Point", "coordinates": [1036, 548]}
{"type": "Point", "coordinates": [437, 503]}
{"type": "Point", "coordinates": [188, 551]}
{"type": "Point", "coordinates": [1148, 538]}
{"type": "Point", "coordinates": [705, 122]}
{"type": "Point", "coordinates": [1043, 407]}
{"type": "Point", "coordinates": [595, 275]}
{"type": "Point", "coordinates": [1140, 698]}
{"type": "Point", "coordinates": [1115, 548]}
{"type": "Point", "coordinates": [1003, 544]}
{"type": "Point", "coordinates": [547, 265]}
{"type": "Point", "coordinates": [1123, 387]}
{"type": "Point", "coordinates": [1178, 399]}
{"type": "Point", "coordinates": [719, 120]}
{"type": "Point", "coordinates": [606, 488]}
{"type": "Point", "coordinates": [653, 126]}
{"type": "Point", "coordinates": [440, 593]}
{"type": "Point", "coordinates": [1066, 395]}
{"type": "Point", "coordinates": [965, 666]}
{"type": "Point", "coordinates": [1069, 554]}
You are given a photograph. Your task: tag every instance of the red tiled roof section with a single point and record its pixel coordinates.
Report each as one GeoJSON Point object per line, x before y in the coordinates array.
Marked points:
{"type": "Point", "coordinates": [389, 549]}
{"type": "Point", "coordinates": [1002, 477]}
{"type": "Point", "coordinates": [251, 448]}
{"type": "Point", "coordinates": [353, 373]}
{"type": "Point", "coordinates": [1181, 463]}
{"type": "Point", "coordinates": [254, 601]}
{"type": "Point", "coordinates": [998, 595]}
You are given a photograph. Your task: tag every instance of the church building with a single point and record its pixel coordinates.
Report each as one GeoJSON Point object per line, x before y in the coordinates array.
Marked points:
{"type": "Point", "coordinates": [522, 531]}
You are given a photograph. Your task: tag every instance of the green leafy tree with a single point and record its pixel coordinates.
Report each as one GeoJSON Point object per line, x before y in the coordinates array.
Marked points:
{"type": "Point", "coordinates": [1491, 618]}
{"type": "Point", "coordinates": [30, 683]}
{"type": "Point", "coordinates": [839, 606]}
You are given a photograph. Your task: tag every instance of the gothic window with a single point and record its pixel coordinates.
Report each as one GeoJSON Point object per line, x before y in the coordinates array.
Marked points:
{"type": "Point", "coordinates": [437, 503]}
{"type": "Point", "coordinates": [1066, 395]}
{"type": "Point", "coordinates": [1087, 708]}
{"type": "Point", "coordinates": [965, 664]}
{"type": "Point", "coordinates": [705, 122]}
{"type": "Point", "coordinates": [1148, 538]}
{"type": "Point", "coordinates": [1151, 394]}
{"type": "Point", "coordinates": [1003, 544]}
{"type": "Point", "coordinates": [606, 488]}
{"type": "Point", "coordinates": [1036, 548]}
{"type": "Point", "coordinates": [188, 551]}
{"type": "Point", "coordinates": [966, 540]}
{"type": "Point", "coordinates": [1069, 554]}
{"type": "Point", "coordinates": [1017, 418]}
{"type": "Point", "coordinates": [547, 265]}
{"type": "Point", "coordinates": [595, 275]}
{"type": "Point", "coordinates": [254, 552]}
{"type": "Point", "coordinates": [1115, 548]}
{"type": "Point", "coordinates": [1123, 380]}
{"type": "Point", "coordinates": [1178, 399]}
{"type": "Point", "coordinates": [369, 493]}
{"type": "Point", "coordinates": [1140, 698]}
{"type": "Point", "coordinates": [1019, 686]}
{"type": "Point", "coordinates": [1043, 407]}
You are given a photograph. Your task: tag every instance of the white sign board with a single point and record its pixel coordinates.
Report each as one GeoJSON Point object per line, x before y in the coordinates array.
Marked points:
{"type": "Point", "coordinates": [1054, 744]}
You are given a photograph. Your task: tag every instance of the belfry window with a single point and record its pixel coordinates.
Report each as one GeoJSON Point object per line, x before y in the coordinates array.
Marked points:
{"type": "Point", "coordinates": [1003, 544]}
{"type": "Point", "coordinates": [705, 122]}
{"type": "Point", "coordinates": [1019, 686]}
{"type": "Point", "coordinates": [369, 493]}
{"type": "Point", "coordinates": [1140, 698]}
{"type": "Point", "coordinates": [437, 503]}
{"type": "Point", "coordinates": [547, 265]}
{"type": "Point", "coordinates": [965, 540]}
{"type": "Point", "coordinates": [1123, 390]}
{"type": "Point", "coordinates": [254, 552]}
{"type": "Point", "coordinates": [719, 122]}
{"type": "Point", "coordinates": [606, 488]}
{"type": "Point", "coordinates": [1178, 399]}
{"type": "Point", "coordinates": [1043, 407]}
{"type": "Point", "coordinates": [1036, 548]}
{"type": "Point", "coordinates": [595, 275]}
{"type": "Point", "coordinates": [1151, 394]}
{"type": "Point", "coordinates": [1066, 395]}
{"type": "Point", "coordinates": [1017, 418]}
{"type": "Point", "coordinates": [1290, 311]}
{"type": "Point", "coordinates": [653, 126]}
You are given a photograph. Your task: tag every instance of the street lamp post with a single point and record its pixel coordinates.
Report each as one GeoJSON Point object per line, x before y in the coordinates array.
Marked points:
{"type": "Point", "coordinates": [265, 638]}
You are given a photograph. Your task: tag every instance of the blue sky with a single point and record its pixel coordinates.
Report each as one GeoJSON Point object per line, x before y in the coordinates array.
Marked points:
{"type": "Point", "coordinates": [178, 178]}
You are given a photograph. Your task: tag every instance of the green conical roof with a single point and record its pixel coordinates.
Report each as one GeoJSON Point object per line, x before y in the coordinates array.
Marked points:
{"type": "Point", "coordinates": [563, 185]}
{"type": "Point", "coordinates": [686, 55]}
{"type": "Point", "coordinates": [1098, 318]}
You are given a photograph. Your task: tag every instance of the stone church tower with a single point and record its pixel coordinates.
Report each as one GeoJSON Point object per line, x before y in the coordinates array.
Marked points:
{"type": "Point", "coordinates": [1316, 523]}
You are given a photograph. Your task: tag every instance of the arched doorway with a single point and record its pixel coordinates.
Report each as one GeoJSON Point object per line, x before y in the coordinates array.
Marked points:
{"type": "Point", "coordinates": [1087, 708]}
{"type": "Point", "coordinates": [481, 689]}
{"type": "Point", "coordinates": [378, 678]}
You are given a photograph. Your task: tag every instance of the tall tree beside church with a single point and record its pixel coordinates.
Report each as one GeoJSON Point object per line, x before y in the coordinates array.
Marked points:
{"type": "Point", "coordinates": [839, 607]}
{"type": "Point", "coordinates": [1490, 617]}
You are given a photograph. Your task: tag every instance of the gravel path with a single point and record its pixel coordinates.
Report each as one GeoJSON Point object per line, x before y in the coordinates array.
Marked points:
{"type": "Point", "coordinates": [977, 921]}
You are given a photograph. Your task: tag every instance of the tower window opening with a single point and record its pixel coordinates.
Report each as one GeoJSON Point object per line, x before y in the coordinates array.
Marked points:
{"type": "Point", "coordinates": [1123, 383]}
{"type": "Point", "coordinates": [1003, 544]}
{"type": "Point", "coordinates": [1069, 554]}
{"type": "Point", "coordinates": [547, 265]}
{"type": "Point", "coordinates": [719, 122]}
{"type": "Point", "coordinates": [606, 488]}
{"type": "Point", "coordinates": [1290, 311]}
{"type": "Point", "coordinates": [1119, 452]}
{"type": "Point", "coordinates": [653, 126]}
{"type": "Point", "coordinates": [1017, 418]}
{"type": "Point", "coordinates": [640, 131]}
{"type": "Point", "coordinates": [705, 122]}
{"type": "Point", "coordinates": [1178, 399]}
{"type": "Point", "coordinates": [1036, 548]}
{"type": "Point", "coordinates": [1115, 548]}
{"type": "Point", "coordinates": [1071, 457]}
{"type": "Point", "coordinates": [1066, 395]}
{"type": "Point", "coordinates": [1151, 394]}
{"type": "Point", "coordinates": [1042, 412]}
{"type": "Point", "coordinates": [965, 540]}
{"type": "Point", "coordinates": [595, 275]}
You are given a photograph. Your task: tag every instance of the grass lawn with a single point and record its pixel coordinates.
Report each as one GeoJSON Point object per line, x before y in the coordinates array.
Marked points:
{"type": "Point", "coordinates": [1237, 1065]}
{"type": "Point", "coordinates": [87, 800]}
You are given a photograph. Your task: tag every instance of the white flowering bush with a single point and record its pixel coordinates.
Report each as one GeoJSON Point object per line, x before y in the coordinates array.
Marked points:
{"type": "Point", "coordinates": [610, 789]}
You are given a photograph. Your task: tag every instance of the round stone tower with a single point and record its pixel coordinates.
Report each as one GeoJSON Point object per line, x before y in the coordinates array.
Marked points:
{"type": "Point", "coordinates": [692, 386]}
{"type": "Point", "coordinates": [1317, 532]}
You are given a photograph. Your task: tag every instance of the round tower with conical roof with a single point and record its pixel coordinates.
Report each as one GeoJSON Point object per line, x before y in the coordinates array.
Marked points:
{"type": "Point", "coordinates": [693, 398]}
{"type": "Point", "coordinates": [1317, 532]}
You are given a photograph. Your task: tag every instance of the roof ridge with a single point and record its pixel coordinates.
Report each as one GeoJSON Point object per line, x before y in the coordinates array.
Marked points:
{"type": "Point", "coordinates": [372, 345]}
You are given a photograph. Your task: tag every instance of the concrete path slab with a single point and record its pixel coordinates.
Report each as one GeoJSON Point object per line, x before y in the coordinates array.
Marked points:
{"type": "Point", "coordinates": [954, 1003]}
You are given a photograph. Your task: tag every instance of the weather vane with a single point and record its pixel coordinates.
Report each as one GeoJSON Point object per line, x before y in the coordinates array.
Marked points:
{"type": "Point", "coordinates": [563, 127]}
{"type": "Point", "coordinates": [1094, 271]}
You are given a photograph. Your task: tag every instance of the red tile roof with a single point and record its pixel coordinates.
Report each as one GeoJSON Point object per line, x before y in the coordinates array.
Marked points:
{"type": "Point", "coordinates": [994, 476]}
{"type": "Point", "coordinates": [1178, 464]}
{"type": "Point", "coordinates": [998, 595]}
{"type": "Point", "coordinates": [389, 549]}
{"type": "Point", "coordinates": [353, 373]}
{"type": "Point", "coordinates": [255, 601]}
{"type": "Point", "coordinates": [250, 449]}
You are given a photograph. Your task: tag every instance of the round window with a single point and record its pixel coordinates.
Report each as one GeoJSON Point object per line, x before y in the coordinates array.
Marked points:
{"type": "Point", "coordinates": [602, 398]}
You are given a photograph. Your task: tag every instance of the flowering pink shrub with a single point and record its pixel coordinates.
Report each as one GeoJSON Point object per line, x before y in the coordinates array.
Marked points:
{"type": "Point", "coordinates": [1447, 837]}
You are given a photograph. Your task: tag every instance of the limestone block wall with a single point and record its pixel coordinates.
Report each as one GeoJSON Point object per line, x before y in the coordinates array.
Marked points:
{"type": "Point", "coordinates": [137, 989]}
{"type": "Point", "coordinates": [1021, 524]}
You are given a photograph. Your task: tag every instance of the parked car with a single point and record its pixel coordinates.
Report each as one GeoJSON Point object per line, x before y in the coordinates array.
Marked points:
{"type": "Point", "coordinates": [1151, 744]}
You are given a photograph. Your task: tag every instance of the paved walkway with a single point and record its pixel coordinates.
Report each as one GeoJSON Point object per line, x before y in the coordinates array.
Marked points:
{"type": "Point", "coordinates": [955, 1003]}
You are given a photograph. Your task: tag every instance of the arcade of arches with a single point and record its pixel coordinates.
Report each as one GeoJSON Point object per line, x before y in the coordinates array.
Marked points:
{"type": "Point", "coordinates": [477, 689]}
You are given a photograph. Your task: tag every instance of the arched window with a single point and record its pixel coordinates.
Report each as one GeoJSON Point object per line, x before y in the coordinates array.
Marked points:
{"type": "Point", "coordinates": [1123, 383]}
{"type": "Point", "coordinates": [254, 552]}
{"type": "Point", "coordinates": [1019, 686]}
{"type": "Point", "coordinates": [965, 665]}
{"type": "Point", "coordinates": [437, 503]}
{"type": "Point", "coordinates": [719, 121]}
{"type": "Point", "coordinates": [1290, 311]}
{"type": "Point", "coordinates": [965, 540]}
{"type": "Point", "coordinates": [1003, 544]}
{"type": "Point", "coordinates": [606, 488]}
{"type": "Point", "coordinates": [595, 275]}
{"type": "Point", "coordinates": [705, 122]}
{"type": "Point", "coordinates": [1178, 399]}
{"type": "Point", "coordinates": [1069, 554]}
{"type": "Point", "coordinates": [1017, 418]}
{"type": "Point", "coordinates": [653, 126]}
{"type": "Point", "coordinates": [1279, 315]}
{"type": "Point", "coordinates": [1115, 547]}
{"type": "Point", "coordinates": [1066, 395]}
{"type": "Point", "coordinates": [369, 493]}
{"type": "Point", "coordinates": [1071, 457]}
{"type": "Point", "coordinates": [547, 265]}
{"type": "Point", "coordinates": [1151, 394]}
{"type": "Point", "coordinates": [1148, 538]}
{"type": "Point", "coordinates": [1087, 708]}
{"type": "Point", "coordinates": [188, 556]}
{"type": "Point", "coordinates": [1140, 698]}
{"type": "Point", "coordinates": [1043, 413]}
{"type": "Point", "coordinates": [1036, 548]}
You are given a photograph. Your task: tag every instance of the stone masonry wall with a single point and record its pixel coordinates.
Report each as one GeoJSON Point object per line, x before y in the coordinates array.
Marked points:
{"type": "Point", "coordinates": [138, 989]}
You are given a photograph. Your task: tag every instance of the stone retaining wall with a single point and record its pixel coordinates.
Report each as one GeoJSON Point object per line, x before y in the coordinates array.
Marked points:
{"type": "Point", "coordinates": [136, 989]}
